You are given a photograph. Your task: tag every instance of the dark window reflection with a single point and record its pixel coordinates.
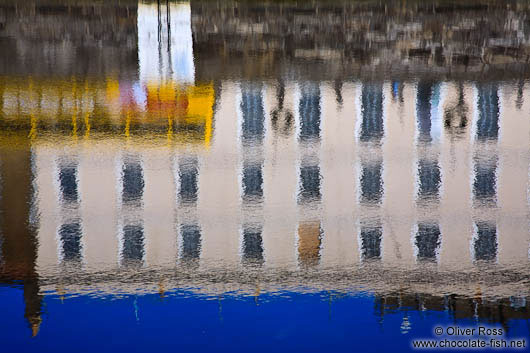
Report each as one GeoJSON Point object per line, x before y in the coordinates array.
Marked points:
{"type": "Point", "coordinates": [428, 240]}
{"type": "Point", "coordinates": [70, 236]}
{"type": "Point", "coordinates": [372, 112]}
{"type": "Point", "coordinates": [191, 241]}
{"type": "Point", "coordinates": [488, 107]}
{"type": "Point", "coordinates": [371, 242]}
{"type": "Point", "coordinates": [252, 181]}
{"type": "Point", "coordinates": [309, 241]}
{"type": "Point", "coordinates": [372, 182]}
{"type": "Point", "coordinates": [485, 243]}
{"type": "Point", "coordinates": [253, 113]}
{"type": "Point", "coordinates": [188, 174]}
{"type": "Point", "coordinates": [133, 181]}
{"type": "Point", "coordinates": [310, 183]}
{"type": "Point", "coordinates": [430, 178]}
{"type": "Point", "coordinates": [68, 182]}
{"type": "Point", "coordinates": [252, 244]}
{"type": "Point", "coordinates": [133, 243]}
{"type": "Point", "coordinates": [423, 110]}
{"type": "Point", "coordinates": [484, 185]}
{"type": "Point", "coordinates": [310, 111]}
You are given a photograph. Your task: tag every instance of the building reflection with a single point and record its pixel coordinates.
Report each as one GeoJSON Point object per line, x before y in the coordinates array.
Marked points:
{"type": "Point", "coordinates": [142, 162]}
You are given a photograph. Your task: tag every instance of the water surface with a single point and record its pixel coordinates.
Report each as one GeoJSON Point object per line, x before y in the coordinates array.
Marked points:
{"type": "Point", "coordinates": [262, 175]}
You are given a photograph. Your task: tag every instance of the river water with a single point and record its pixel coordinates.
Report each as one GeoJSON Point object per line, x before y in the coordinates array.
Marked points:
{"type": "Point", "coordinates": [257, 176]}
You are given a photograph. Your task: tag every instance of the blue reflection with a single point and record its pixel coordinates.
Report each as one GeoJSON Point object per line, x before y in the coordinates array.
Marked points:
{"type": "Point", "coordinates": [372, 112]}
{"type": "Point", "coordinates": [182, 321]}
{"type": "Point", "coordinates": [488, 107]}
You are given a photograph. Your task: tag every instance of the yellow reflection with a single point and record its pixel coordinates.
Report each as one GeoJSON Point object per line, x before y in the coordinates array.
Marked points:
{"type": "Point", "coordinates": [155, 112]}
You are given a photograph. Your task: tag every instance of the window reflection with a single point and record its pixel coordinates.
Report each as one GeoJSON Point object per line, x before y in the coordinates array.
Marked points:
{"type": "Point", "coordinates": [488, 108]}
{"type": "Point", "coordinates": [427, 241]}
{"type": "Point", "coordinates": [309, 109]}
{"type": "Point", "coordinates": [133, 243]}
{"type": "Point", "coordinates": [423, 110]}
{"type": "Point", "coordinates": [252, 181]}
{"type": "Point", "coordinates": [310, 183]}
{"type": "Point", "coordinates": [484, 185]}
{"type": "Point", "coordinates": [253, 112]}
{"type": "Point", "coordinates": [372, 112]}
{"type": "Point", "coordinates": [429, 178]}
{"type": "Point", "coordinates": [372, 182]}
{"type": "Point", "coordinates": [485, 241]}
{"type": "Point", "coordinates": [191, 241]}
{"type": "Point", "coordinates": [188, 175]}
{"type": "Point", "coordinates": [371, 237]}
{"type": "Point", "coordinates": [253, 244]}
{"type": "Point", "coordinates": [68, 182]}
{"type": "Point", "coordinates": [70, 237]}
{"type": "Point", "coordinates": [309, 241]}
{"type": "Point", "coordinates": [133, 181]}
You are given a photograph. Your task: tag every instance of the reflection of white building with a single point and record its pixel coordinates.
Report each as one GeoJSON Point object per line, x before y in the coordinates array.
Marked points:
{"type": "Point", "coordinates": [250, 195]}
{"type": "Point", "coordinates": [165, 45]}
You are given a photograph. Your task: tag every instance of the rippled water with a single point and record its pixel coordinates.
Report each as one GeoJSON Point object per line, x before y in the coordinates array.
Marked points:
{"type": "Point", "coordinates": [261, 175]}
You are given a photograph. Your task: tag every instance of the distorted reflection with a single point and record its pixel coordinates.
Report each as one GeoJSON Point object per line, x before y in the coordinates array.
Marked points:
{"type": "Point", "coordinates": [253, 244]}
{"type": "Point", "coordinates": [488, 107]}
{"type": "Point", "coordinates": [429, 178]}
{"type": "Point", "coordinates": [456, 116]}
{"type": "Point", "coordinates": [191, 242]}
{"type": "Point", "coordinates": [252, 181]}
{"type": "Point", "coordinates": [484, 185]}
{"type": "Point", "coordinates": [485, 241]}
{"type": "Point", "coordinates": [188, 177]}
{"type": "Point", "coordinates": [372, 112]}
{"type": "Point", "coordinates": [372, 182]}
{"type": "Point", "coordinates": [133, 244]}
{"type": "Point", "coordinates": [309, 243]}
{"type": "Point", "coordinates": [428, 241]}
{"type": "Point", "coordinates": [133, 181]}
{"type": "Point", "coordinates": [70, 235]}
{"type": "Point", "coordinates": [253, 114]}
{"type": "Point", "coordinates": [253, 149]}
{"type": "Point", "coordinates": [371, 238]}
{"type": "Point", "coordinates": [68, 182]}
{"type": "Point", "coordinates": [310, 183]}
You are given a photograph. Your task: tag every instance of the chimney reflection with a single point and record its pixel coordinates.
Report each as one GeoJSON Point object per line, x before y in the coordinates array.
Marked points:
{"type": "Point", "coordinates": [282, 119]}
{"type": "Point", "coordinates": [456, 115]}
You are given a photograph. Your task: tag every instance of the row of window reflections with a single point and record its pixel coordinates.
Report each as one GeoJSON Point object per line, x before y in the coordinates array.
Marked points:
{"type": "Point", "coordinates": [372, 123]}
{"type": "Point", "coordinates": [427, 242]}
{"type": "Point", "coordinates": [371, 181]}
